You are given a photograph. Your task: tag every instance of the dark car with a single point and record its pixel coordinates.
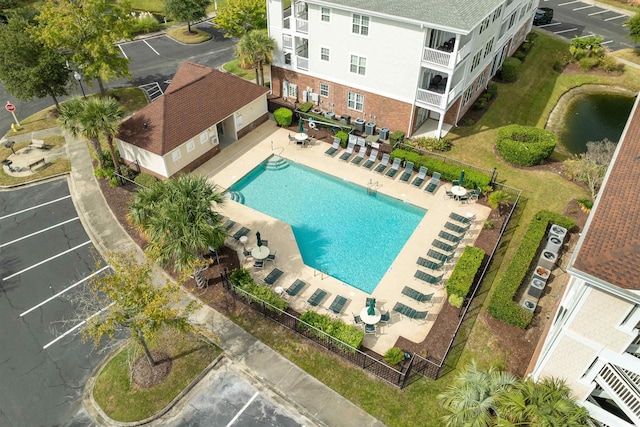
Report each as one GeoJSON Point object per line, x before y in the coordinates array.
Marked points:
{"type": "Point", "coordinates": [543, 16]}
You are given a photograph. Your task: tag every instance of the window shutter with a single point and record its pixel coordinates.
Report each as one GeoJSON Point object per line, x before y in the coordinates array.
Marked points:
{"type": "Point", "coordinates": [285, 89]}
{"type": "Point", "coordinates": [294, 90]}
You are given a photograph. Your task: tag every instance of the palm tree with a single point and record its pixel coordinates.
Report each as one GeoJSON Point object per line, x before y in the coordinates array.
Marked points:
{"type": "Point", "coordinates": [498, 199]}
{"type": "Point", "coordinates": [71, 117]}
{"type": "Point", "coordinates": [105, 114]}
{"type": "Point", "coordinates": [177, 217]}
{"type": "Point", "coordinates": [255, 49]}
{"type": "Point", "coordinates": [546, 404]}
{"type": "Point", "coordinates": [471, 399]}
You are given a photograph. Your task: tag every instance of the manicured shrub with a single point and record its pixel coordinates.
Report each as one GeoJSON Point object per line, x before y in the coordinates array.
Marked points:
{"type": "Point", "coordinates": [455, 300]}
{"type": "Point", "coordinates": [336, 328]}
{"type": "Point", "coordinates": [145, 23]}
{"type": "Point", "coordinates": [344, 137]}
{"type": "Point", "coordinates": [242, 279]}
{"type": "Point", "coordinates": [448, 171]}
{"type": "Point", "coordinates": [589, 62]}
{"type": "Point", "coordinates": [610, 64]}
{"type": "Point", "coordinates": [396, 136]}
{"type": "Point", "coordinates": [283, 116]}
{"type": "Point", "coordinates": [465, 271]}
{"type": "Point", "coordinates": [488, 224]}
{"type": "Point", "coordinates": [526, 46]}
{"type": "Point", "coordinates": [501, 305]}
{"type": "Point", "coordinates": [520, 55]}
{"type": "Point", "coordinates": [480, 104]}
{"type": "Point", "coordinates": [394, 356]}
{"type": "Point", "coordinates": [492, 90]}
{"type": "Point", "coordinates": [145, 180]}
{"type": "Point", "coordinates": [525, 145]}
{"type": "Point", "coordinates": [305, 107]}
{"type": "Point", "coordinates": [431, 144]}
{"type": "Point", "coordinates": [510, 70]}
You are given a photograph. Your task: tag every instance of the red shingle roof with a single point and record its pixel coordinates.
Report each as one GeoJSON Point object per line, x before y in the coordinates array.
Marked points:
{"type": "Point", "coordinates": [610, 248]}
{"type": "Point", "coordinates": [197, 98]}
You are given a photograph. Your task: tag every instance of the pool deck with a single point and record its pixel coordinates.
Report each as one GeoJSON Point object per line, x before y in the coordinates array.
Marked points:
{"type": "Point", "coordinates": [242, 156]}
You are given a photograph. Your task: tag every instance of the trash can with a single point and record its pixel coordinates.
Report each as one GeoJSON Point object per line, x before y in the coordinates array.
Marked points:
{"type": "Point", "coordinates": [370, 128]}
{"type": "Point", "coordinates": [384, 133]}
{"type": "Point", "coordinates": [359, 124]}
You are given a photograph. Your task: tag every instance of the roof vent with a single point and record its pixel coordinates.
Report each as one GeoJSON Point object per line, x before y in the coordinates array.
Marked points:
{"type": "Point", "coordinates": [145, 125]}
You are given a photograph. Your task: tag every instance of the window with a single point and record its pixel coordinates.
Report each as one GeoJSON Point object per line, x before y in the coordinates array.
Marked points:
{"type": "Point", "coordinates": [324, 53]}
{"type": "Point", "coordinates": [324, 89]}
{"type": "Point", "coordinates": [485, 25]}
{"type": "Point", "coordinates": [356, 101]}
{"type": "Point", "coordinates": [476, 60]}
{"type": "Point", "coordinates": [203, 137]}
{"type": "Point", "coordinates": [325, 14]}
{"type": "Point", "coordinates": [358, 64]}
{"type": "Point", "coordinates": [480, 83]}
{"type": "Point", "coordinates": [496, 14]}
{"type": "Point", "coordinates": [191, 145]}
{"type": "Point", "coordinates": [467, 94]}
{"type": "Point", "coordinates": [488, 48]}
{"type": "Point", "coordinates": [360, 25]}
{"type": "Point", "coordinates": [287, 58]}
{"type": "Point", "coordinates": [512, 19]}
{"type": "Point", "coordinates": [175, 154]}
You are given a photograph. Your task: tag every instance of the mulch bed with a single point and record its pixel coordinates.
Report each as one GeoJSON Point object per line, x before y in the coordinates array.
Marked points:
{"type": "Point", "coordinates": [147, 376]}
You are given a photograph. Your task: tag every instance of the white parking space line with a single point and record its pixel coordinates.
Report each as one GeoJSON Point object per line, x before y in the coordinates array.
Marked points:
{"type": "Point", "coordinates": [583, 7]}
{"type": "Point", "coordinates": [38, 232]}
{"type": "Point", "coordinates": [123, 54]}
{"type": "Point", "coordinates": [569, 2]}
{"type": "Point", "coordinates": [63, 291]}
{"type": "Point", "coordinates": [244, 408]}
{"type": "Point", "coordinates": [47, 260]}
{"type": "Point", "coordinates": [616, 17]}
{"type": "Point", "coordinates": [34, 207]}
{"type": "Point", "coordinates": [564, 31]}
{"type": "Point", "coordinates": [598, 13]}
{"type": "Point", "coordinates": [151, 47]}
{"type": "Point", "coordinates": [607, 42]}
{"type": "Point", "coordinates": [550, 25]}
{"type": "Point", "coordinates": [59, 337]}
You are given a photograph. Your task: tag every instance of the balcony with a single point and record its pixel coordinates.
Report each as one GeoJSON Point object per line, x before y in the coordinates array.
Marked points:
{"type": "Point", "coordinates": [445, 58]}
{"type": "Point", "coordinates": [302, 63]}
{"type": "Point", "coordinates": [287, 41]}
{"type": "Point", "coordinates": [302, 25]}
{"type": "Point", "coordinates": [430, 98]}
{"type": "Point", "coordinates": [622, 388]}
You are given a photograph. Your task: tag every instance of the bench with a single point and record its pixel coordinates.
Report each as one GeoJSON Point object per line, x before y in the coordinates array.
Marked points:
{"type": "Point", "coordinates": [38, 143]}
{"type": "Point", "coordinates": [37, 163]}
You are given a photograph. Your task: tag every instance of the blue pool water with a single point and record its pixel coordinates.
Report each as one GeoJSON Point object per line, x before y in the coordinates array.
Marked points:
{"type": "Point", "coordinates": [339, 228]}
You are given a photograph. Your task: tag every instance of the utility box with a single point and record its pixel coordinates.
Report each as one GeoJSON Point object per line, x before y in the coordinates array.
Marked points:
{"type": "Point", "coordinates": [346, 119]}
{"type": "Point", "coordinates": [554, 244]}
{"type": "Point", "coordinates": [370, 128]}
{"type": "Point", "coordinates": [541, 273]}
{"type": "Point", "coordinates": [530, 305]}
{"type": "Point", "coordinates": [384, 133]}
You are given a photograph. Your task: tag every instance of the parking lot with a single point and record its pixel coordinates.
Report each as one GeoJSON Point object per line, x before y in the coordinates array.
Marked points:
{"type": "Point", "coordinates": [45, 254]}
{"type": "Point", "coordinates": [582, 19]}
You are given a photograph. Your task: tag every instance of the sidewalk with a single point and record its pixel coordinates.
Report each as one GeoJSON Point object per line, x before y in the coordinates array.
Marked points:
{"type": "Point", "coordinates": [312, 398]}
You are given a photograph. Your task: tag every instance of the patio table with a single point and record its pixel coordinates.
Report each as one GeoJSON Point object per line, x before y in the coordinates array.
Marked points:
{"type": "Point", "coordinates": [260, 252]}
{"type": "Point", "coordinates": [458, 190]}
{"type": "Point", "coordinates": [368, 319]}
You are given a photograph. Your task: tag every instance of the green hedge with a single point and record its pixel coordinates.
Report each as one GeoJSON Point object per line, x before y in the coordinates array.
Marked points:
{"type": "Point", "coordinates": [510, 70]}
{"type": "Point", "coordinates": [396, 136]}
{"type": "Point", "coordinates": [344, 137]}
{"type": "Point", "coordinates": [243, 280]}
{"type": "Point", "coordinates": [466, 269]}
{"type": "Point", "coordinates": [283, 116]}
{"type": "Point", "coordinates": [145, 180]}
{"type": "Point", "coordinates": [305, 107]}
{"type": "Point", "coordinates": [448, 171]}
{"type": "Point", "coordinates": [336, 328]}
{"type": "Point", "coordinates": [501, 305]}
{"type": "Point", "coordinates": [525, 145]}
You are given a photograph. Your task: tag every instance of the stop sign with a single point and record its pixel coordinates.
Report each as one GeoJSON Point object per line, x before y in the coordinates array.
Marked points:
{"type": "Point", "coordinates": [10, 106]}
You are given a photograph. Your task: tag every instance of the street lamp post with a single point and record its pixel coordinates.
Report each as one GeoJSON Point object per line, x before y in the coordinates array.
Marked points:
{"type": "Point", "coordinates": [78, 77]}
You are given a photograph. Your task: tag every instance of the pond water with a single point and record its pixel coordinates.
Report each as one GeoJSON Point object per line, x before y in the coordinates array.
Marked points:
{"type": "Point", "coordinates": [593, 117]}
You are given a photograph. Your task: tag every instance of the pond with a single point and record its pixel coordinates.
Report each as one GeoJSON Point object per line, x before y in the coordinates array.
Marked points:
{"type": "Point", "coordinates": [594, 117]}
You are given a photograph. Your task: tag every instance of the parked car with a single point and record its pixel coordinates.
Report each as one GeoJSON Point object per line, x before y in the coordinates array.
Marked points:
{"type": "Point", "coordinates": [543, 16]}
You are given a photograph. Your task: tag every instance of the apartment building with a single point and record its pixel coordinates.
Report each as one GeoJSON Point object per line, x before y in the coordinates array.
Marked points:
{"type": "Point", "coordinates": [594, 339]}
{"type": "Point", "coordinates": [398, 64]}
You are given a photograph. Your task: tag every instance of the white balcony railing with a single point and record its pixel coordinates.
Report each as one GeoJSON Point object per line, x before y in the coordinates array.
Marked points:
{"type": "Point", "coordinates": [431, 98]}
{"type": "Point", "coordinates": [621, 389]}
{"type": "Point", "coordinates": [302, 63]}
{"type": "Point", "coordinates": [287, 41]}
{"type": "Point", "coordinates": [463, 53]}
{"type": "Point", "coordinates": [453, 93]}
{"type": "Point", "coordinates": [286, 23]}
{"type": "Point", "coordinates": [435, 56]}
{"type": "Point", "coordinates": [302, 25]}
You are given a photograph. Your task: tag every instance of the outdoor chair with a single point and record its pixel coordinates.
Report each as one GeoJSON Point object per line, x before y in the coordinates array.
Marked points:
{"type": "Point", "coordinates": [338, 304]}
{"type": "Point", "coordinates": [463, 199]}
{"type": "Point", "coordinates": [450, 237]}
{"type": "Point", "coordinates": [242, 232]}
{"type": "Point", "coordinates": [273, 276]}
{"type": "Point", "coordinates": [265, 242]}
{"type": "Point", "coordinates": [418, 180]}
{"type": "Point", "coordinates": [408, 171]}
{"type": "Point", "coordinates": [369, 329]}
{"type": "Point", "coordinates": [439, 256]}
{"type": "Point", "coordinates": [334, 148]}
{"type": "Point", "coordinates": [456, 228]}
{"type": "Point", "coordinates": [368, 301]}
{"type": "Point", "coordinates": [271, 257]}
{"type": "Point", "coordinates": [295, 288]}
{"type": "Point", "coordinates": [385, 317]}
{"type": "Point", "coordinates": [317, 297]}
{"type": "Point", "coordinates": [449, 194]}
{"type": "Point", "coordinates": [433, 184]}
{"type": "Point", "coordinates": [439, 244]}
{"type": "Point", "coordinates": [463, 219]}
{"type": "Point", "coordinates": [292, 139]}
{"type": "Point", "coordinates": [348, 152]}
{"type": "Point", "coordinates": [403, 309]}
{"type": "Point", "coordinates": [372, 159]}
{"type": "Point", "coordinates": [383, 164]}
{"type": "Point", "coordinates": [420, 315]}
{"type": "Point", "coordinates": [258, 264]}
{"type": "Point", "coordinates": [474, 194]}
{"type": "Point", "coordinates": [426, 277]}
{"type": "Point", "coordinates": [416, 295]}
{"type": "Point", "coordinates": [357, 319]}
{"type": "Point", "coordinates": [228, 225]}
{"type": "Point", "coordinates": [360, 156]}
{"type": "Point", "coordinates": [394, 168]}
{"type": "Point", "coordinates": [423, 262]}
{"type": "Point", "coordinates": [247, 253]}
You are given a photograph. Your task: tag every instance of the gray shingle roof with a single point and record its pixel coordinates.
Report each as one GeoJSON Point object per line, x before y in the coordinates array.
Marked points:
{"type": "Point", "coordinates": [461, 14]}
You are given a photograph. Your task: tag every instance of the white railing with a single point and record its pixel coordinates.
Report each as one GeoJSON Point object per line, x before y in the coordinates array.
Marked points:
{"type": "Point", "coordinates": [454, 92]}
{"type": "Point", "coordinates": [431, 98]}
{"type": "Point", "coordinates": [286, 23]}
{"type": "Point", "coordinates": [462, 53]}
{"type": "Point", "coordinates": [302, 25]}
{"type": "Point", "coordinates": [620, 389]}
{"type": "Point", "coordinates": [436, 56]}
{"type": "Point", "coordinates": [302, 63]}
{"type": "Point", "coordinates": [287, 41]}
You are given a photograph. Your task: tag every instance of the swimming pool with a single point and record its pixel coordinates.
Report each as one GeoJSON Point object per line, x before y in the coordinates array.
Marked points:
{"type": "Point", "coordinates": [340, 228]}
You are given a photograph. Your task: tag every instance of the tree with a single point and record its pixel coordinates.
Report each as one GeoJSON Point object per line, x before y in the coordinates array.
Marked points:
{"type": "Point", "coordinates": [254, 49]}
{"type": "Point", "coordinates": [177, 217]}
{"type": "Point", "coordinates": [545, 403]}
{"type": "Point", "coordinates": [128, 301]}
{"type": "Point", "coordinates": [581, 47]}
{"type": "Point", "coordinates": [186, 10]}
{"type": "Point", "coordinates": [88, 32]}
{"type": "Point", "coordinates": [498, 199]}
{"type": "Point", "coordinates": [472, 398]}
{"type": "Point", "coordinates": [591, 166]}
{"type": "Point", "coordinates": [237, 17]}
{"type": "Point", "coordinates": [633, 24]}
{"type": "Point", "coordinates": [29, 69]}
{"type": "Point", "coordinates": [71, 117]}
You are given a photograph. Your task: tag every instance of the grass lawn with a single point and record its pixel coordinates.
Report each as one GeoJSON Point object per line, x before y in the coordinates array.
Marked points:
{"type": "Point", "coordinates": [157, 6]}
{"type": "Point", "coordinates": [124, 401]}
{"type": "Point", "coordinates": [631, 55]}
{"type": "Point", "coordinates": [233, 67]}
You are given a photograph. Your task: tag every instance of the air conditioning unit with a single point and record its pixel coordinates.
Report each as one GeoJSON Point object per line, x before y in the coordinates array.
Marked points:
{"type": "Point", "coordinates": [559, 232]}
{"type": "Point", "coordinates": [548, 260]}
{"type": "Point", "coordinates": [536, 287]}
{"type": "Point", "coordinates": [529, 305]}
{"type": "Point", "coordinates": [554, 244]}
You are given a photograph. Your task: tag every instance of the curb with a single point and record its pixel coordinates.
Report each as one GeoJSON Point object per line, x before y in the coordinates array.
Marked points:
{"type": "Point", "coordinates": [34, 181]}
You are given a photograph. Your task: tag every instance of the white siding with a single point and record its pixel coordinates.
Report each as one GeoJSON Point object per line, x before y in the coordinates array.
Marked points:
{"type": "Point", "coordinates": [251, 112]}
{"type": "Point", "coordinates": [146, 159]}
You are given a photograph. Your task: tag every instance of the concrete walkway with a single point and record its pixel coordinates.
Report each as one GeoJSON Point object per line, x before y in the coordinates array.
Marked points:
{"type": "Point", "coordinates": [312, 398]}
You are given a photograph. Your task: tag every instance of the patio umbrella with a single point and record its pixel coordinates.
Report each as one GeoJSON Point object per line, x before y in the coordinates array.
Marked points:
{"type": "Point", "coordinates": [259, 240]}
{"type": "Point", "coordinates": [372, 307]}
{"type": "Point", "coordinates": [461, 177]}
{"type": "Point", "coordinates": [300, 127]}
